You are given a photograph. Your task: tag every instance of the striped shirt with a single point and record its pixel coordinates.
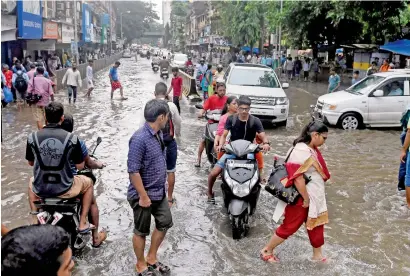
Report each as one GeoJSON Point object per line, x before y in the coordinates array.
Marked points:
{"type": "Point", "coordinates": [146, 156]}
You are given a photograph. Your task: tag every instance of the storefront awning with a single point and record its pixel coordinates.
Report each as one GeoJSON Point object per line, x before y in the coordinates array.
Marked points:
{"type": "Point", "coordinates": [401, 47]}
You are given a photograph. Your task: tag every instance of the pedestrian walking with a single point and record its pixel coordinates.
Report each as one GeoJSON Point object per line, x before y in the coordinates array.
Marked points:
{"type": "Point", "coordinates": [334, 81]}
{"type": "Point", "coordinates": [20, 83]}
{"type": "Point", "coordinates": [40, 86]}
{"type": "Point", "coordinates": [355, 77]}
{"type": "Point", "coordinates": [304, 162]}
{"type": "Point", "coordinates": [385, 67]}
{"type": "Point", "coordinates": [90, 78]}
{"type": "Point", "coordinates": [114, 79]}
{"type": "Point", "coordinates": [73, 78]}
{"type": "Point", "coordinates": [297, 67]}
{"type": "Point", "coordinates": [68, 62]}
{"type": "Point", "coordinates": [176, 87]}
{"type": "Point", "coordinates": [289, 68]}
{"type": "Point", "coordinates": [146, 192]}
{"type": "Point", "coordinates": [306, 69]}
{"type": "Point", "coordinates": [170, 132]}
{"type": "Point", "coordinates": [315, 70]}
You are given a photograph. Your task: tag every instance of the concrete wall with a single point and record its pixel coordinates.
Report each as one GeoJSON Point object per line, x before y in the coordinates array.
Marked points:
{"type": "Point", "coordinates": [99, 64]}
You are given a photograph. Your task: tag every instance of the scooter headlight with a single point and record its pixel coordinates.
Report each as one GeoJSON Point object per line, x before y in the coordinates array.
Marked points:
{"type": "Point", "coordinates": [241, 190]}
{"type": "Point", "coordinates": [254, 179]}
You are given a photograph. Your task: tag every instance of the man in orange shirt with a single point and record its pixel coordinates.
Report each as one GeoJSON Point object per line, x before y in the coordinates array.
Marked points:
{"type": "Point", "coordinates": [385, 67]}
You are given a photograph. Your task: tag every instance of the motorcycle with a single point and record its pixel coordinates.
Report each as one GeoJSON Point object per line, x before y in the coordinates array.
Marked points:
{"type": "Point", "coordinates": [210, 132]}
{"type": "Point", "coordinates": [190, 70]}
{"type": "Point", "coordinates": [155, 67]}
{"type": "Point", "coordinates": [148, 56]}
{"type": "Point", "coordinates": [164, 74]}
{"type": "Point", "coordinates": [198, 80]}
{"type": "Point", "coordinates": [241, 185]}
{"type": "Point", "coordinates": [66, 212]}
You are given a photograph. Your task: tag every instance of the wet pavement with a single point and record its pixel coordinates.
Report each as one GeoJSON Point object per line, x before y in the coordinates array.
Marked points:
{"type": "Point", "coordinates": [368, 233]}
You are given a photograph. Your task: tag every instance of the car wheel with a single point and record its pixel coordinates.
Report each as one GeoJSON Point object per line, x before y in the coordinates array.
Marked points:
{"type": "Point", "coordinates": [350, 121]}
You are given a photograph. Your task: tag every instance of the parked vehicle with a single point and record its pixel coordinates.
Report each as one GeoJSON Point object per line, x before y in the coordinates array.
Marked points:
{"type": "Point", "coordinates": [210, 132]}
{"type": "Point", "coordinates": [377, 100]}
{"type": "Point", "coordinates": [240, 185]}
{"type": "Point", "coordinates": [66, 212]}
{"type": "Point", "coordinates": [261, 84]}
{"type": "Point", "coordinates": [179, 61]}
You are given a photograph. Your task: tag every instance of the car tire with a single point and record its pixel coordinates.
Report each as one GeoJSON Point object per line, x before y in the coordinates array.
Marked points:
{"type": "Point", "coordinates": [281, 124]}
{"type": "Point", "coordinates": [350, 121]}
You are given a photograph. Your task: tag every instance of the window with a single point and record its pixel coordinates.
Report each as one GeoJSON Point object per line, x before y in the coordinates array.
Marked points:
{"type": "Point", "coordinates": [249, 77]}
{"type": "Point", "coordinates": [366, 84]}
{"type": "Point", "coordinates": [395, 87]}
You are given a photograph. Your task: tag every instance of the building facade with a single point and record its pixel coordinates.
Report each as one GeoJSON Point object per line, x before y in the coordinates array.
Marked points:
{"type": "Point", "coordinates": [38, 28]}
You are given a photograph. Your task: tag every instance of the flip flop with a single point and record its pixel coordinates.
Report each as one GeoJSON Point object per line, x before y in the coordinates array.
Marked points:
{"type": "Point", "coordinates": [197, 164]}
{"type": "Point", "coordinates": [146, 272]}
{"type": "Point", "coordinates": [323, 260]}
{"type": "Point", "coordinates": [211, 199]}
{"type": "Point", "coordinates": [159, 267]}
{"type": "Point", "coordinates": [88, 229]}
{"type": "Point", "coordinates": [104, 237]}
{"type": "Point", "coordinates": [269, 258]}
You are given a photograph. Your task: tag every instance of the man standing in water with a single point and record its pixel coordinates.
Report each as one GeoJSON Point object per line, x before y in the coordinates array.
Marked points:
{"type": "Point", "coordinates": [90, 77]}
{"type": "Point", "coordinates": [73, 78]}
{"type": "Point", "coordinates": [115, 82]}
{"type": "Point", "coordinates": [146, 192]}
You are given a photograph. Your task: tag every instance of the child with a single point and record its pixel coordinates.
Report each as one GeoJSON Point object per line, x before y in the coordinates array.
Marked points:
{"type": "Point", "coordinates": [355, 77]}
{"type": "Point", "coordinates": [176, 85]}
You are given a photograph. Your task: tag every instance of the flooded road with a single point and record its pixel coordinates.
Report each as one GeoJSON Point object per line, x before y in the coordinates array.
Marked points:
{"type": "Point", "coordinates": [369, 229]}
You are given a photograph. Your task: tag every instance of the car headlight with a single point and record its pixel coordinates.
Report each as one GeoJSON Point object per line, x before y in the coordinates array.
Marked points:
{"type": "Point", "coordinates": [281, 100]}
{"type": "Point", "coordinates": [329, 106]}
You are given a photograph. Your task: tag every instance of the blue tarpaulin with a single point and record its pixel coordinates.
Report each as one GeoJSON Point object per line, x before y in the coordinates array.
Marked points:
{"type": "Point", "coordinates": [248, 49]}
{"type": "Point", "coordinates": [401, 47]}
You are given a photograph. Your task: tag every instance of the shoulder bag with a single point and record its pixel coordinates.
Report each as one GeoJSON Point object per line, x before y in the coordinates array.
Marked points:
{"type": "Point", "coordinates": [32, 97]}
{"type": "Point", "coordinates": [289, 195]}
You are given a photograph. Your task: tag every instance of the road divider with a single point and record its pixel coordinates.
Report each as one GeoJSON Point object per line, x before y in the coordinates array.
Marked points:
{"type": "Point", "coordinates": [189, 88]}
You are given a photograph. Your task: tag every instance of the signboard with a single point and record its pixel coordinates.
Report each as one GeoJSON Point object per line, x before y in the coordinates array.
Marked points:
{"type": "Point", "coordinates": [42, 45]}
{"type": "Point", "coordinates": [50, 30]}
{"type": "Point", "coordinates": [30, 20]}
{"type": "Point", "coordinates": [87, 26]}
{"type": "Point", "coordinates": [92, 33]}
{"type": "Point", "coordinates": [67, 33]}
{"type": "Point", "coordinates": [60, 34]}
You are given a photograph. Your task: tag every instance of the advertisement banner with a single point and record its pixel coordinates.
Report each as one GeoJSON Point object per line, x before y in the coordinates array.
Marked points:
{"type": "Point", "coordinates": [67, 33]}
{"type": "Point", "coordinates": [104, 35]}
{"type": "Point", "coordinates": [50, 30]}
{"type": "Point", "coordinates": [87, 26]}
{"type": "Point", "coordinates": [29, 19]}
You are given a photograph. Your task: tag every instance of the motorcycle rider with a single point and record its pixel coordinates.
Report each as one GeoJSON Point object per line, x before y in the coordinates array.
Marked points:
{"type": "Point", "coordinates": [215, 102]}
{"type": "Point", "coordinates": [189, 62]}
{"type": "Point", "coordinates": [49, 151]}
{"type": "Point", "coordinates": [155, 60]}
{"type": "Point", "coordinates": [201, 67]}
{"type": "Point", "coordinates": [164, 64]}
{"type": "Point", "coordinates": [241, 126]}
{"type": "Point", "coordinates": [94, 215]}
{"type": "Point", "coordinates": [219, 74]}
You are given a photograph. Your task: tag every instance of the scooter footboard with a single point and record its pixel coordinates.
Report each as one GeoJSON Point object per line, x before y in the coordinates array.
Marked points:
{"type": "Point", "coordinates": [236, 207]}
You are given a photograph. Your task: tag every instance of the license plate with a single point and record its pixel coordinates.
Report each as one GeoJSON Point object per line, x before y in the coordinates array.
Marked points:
{"type": "Point", "coordinates": [256, 111]}
{"type": "Point", "coordinates": [164, 72]}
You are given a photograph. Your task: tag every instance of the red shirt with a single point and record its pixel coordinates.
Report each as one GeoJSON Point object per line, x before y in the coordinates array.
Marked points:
{"type": "Point", "coordinates": [215, 102]}
{"type": "Point", "coordinates": [9, 76]}
{"type": "Point", "coordinates": [188, 63]}
{"type": "Point", "coordinates": [176, 84]}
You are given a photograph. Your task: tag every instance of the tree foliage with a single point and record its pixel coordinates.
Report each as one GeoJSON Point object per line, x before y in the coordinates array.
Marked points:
{"type": "Point", "coordinates": [179, 13]}
{"type": "Point", "coordinates": [141, 15]}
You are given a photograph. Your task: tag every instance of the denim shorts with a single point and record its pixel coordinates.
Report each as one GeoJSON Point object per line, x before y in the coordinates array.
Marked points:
{"type": "Point", "coordinates": [407, 179]}
{"type": "Point", "coordinates": [171, 156]}
{"type": "Point", "coordinates": [221, 161]}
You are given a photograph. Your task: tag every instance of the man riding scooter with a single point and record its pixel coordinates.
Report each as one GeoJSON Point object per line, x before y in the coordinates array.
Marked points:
{"type": "Point", "coordinates": [155, 60]}
{"type": "Point", "coordinates": [164, 65]}
{"type": "Point", "coordinates": [218, 75]}
{"type": "Point", "coordinates": [241, 126]}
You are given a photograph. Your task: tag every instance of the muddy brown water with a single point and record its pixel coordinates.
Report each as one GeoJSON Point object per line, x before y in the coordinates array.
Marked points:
{"type": "Point", "coordinates": [369, 229]}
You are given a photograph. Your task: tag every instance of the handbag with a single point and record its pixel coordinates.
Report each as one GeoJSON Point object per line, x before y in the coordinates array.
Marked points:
{"type": "Point", "coordinates": [8, 96]}
{"type": "Point", "coordinates": [289, 195]}
{"type": "Point", "coordinates": [33, 98]}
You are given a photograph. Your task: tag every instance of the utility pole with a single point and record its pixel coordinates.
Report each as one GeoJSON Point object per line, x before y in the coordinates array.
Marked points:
{"type": "Point", "coordinates": [75, 33]}
{"type": "Point", "coordinates": [280, 31]}
{"type": "Point", "coordinates": [110, 16]}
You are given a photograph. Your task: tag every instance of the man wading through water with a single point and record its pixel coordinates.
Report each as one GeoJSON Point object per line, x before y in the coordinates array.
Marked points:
{"type": "Point", "coordinates": [74, 80]}
{"type": "Point", "coordinates": [115, 82]}
{"type": "Point", "coordinates": [147, 169]}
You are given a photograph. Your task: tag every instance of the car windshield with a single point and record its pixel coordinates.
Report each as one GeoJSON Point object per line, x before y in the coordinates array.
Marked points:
{"type": "Point", "coordinates": [249, 77]}
{"type": "Point", "coordinates": [180, 58]}
{"type": "Point", "coordinates": [365, 84]}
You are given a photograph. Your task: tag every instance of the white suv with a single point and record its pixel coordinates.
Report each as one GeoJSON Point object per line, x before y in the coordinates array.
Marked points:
{"type": "Point", "coordinates": [376, 101]}
{"type": "Point", "coordinates": [261, 84]}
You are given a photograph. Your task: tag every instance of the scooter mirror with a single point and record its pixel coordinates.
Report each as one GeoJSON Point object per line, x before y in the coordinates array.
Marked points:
{"type": "Point", "coordinates": [199, 106]}
{"type": "Point", "coordinates": [99, 140]}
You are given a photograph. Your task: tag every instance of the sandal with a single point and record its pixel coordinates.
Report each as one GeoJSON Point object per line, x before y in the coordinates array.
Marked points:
{"type": "Point", "coordinates": [211, 199]}
{"type": "Point", "coordinates": [270, 258]}
{"type": "Point", "coordinates": [86, 230]}
{"type": "Point", "coordinates": [159, 267]}
{"type": "Point", "coordinates": [197, 164]}
{"type": "Point", "coordinates": [146, 272]}
{"type": "Point", "coordinates": [102, 236]}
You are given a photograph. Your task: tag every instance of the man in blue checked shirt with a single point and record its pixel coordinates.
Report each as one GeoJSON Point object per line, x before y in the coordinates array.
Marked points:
{"type": "Point", "coordinates": [146, 193]}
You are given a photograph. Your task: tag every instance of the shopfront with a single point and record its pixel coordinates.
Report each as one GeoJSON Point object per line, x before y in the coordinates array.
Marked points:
{"type": "Point", "coordinates": [8, 35]}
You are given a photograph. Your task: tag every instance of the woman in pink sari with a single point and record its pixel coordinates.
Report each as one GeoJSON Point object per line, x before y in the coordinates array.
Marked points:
{"type": "Point", "coordinates": [305, 159]}
{"type": "Point", "coordinates": [230, 108]}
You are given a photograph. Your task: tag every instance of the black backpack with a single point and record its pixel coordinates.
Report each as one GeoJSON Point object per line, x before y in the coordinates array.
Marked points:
{"type": "Point", "coordinates": [20, 83]}
{"type": "Point", "coordinates": [168, 132]}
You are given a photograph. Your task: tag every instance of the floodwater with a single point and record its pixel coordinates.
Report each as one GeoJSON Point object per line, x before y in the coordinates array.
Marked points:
{"type": "Point", "coordinates": [369, 229]}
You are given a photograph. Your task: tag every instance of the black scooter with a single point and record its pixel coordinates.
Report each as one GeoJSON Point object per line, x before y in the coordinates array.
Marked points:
{"type": "Point", "coordinates": [66, 212]}
{"type": "Point", "coordinates": [240, 185]}
{"type": "Point", "coordinates": [210, 132]}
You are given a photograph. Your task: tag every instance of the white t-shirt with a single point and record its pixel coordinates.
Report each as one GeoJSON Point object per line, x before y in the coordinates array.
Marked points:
{"type": "Point", "coordinates": [89, 73]}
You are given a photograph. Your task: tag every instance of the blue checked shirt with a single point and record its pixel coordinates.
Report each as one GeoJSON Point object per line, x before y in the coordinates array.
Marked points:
{"type": "Point", "coordinates": [146, 156]}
